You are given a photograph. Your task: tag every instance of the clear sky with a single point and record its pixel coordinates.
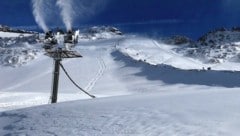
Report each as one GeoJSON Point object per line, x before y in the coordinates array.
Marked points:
{"type": "Point", "coordinates": [205, 14]}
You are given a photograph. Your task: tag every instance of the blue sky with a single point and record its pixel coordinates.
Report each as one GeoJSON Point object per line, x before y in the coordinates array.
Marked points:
{"type": "Point", "coordinates": [204, 14]}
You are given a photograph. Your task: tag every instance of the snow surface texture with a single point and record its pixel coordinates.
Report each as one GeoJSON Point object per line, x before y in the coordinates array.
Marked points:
{"type": "Point", "coordinates": [168, 93]}
{"type": "Point", "coordinates": [202, 113]}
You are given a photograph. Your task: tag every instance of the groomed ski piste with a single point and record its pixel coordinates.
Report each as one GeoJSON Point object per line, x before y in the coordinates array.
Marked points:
{"type": "Point", "coordinates": [143, 87]}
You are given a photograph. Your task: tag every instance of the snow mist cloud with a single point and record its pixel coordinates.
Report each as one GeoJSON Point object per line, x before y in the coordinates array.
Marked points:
{"type": "Point", "coordinates": [67, 12]}
{"type": "Point", "coordinates": [79, 10]}
{"type": "Point", "coordinates": [38, 8]}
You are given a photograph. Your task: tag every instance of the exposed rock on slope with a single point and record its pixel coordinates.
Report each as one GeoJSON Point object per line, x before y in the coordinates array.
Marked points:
{"type": "Point", "coordinates": [17, 49]}
{"type": "Point", "coordinates": [4, 28]}
{"type": "Point", "coordinates": [216, 46]}
{"type": "Point", "coordinates": [102, 32]}
{"type": "Point", "coordinates": [179, 40]}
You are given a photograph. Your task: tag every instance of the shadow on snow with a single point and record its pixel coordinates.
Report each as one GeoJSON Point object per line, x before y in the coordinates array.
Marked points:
{"type": "Point", "coordinates": [171, 75]}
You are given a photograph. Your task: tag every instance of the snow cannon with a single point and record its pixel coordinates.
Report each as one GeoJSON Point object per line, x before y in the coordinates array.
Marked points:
{"type": "Point", "coordinates": [59, 39]}
{"type": "Point", "coordinates": [58, 46]}
{"type": "Point", "coordinates": [49, 40]}
{"type": "Point", "coordinates": [71, 37]}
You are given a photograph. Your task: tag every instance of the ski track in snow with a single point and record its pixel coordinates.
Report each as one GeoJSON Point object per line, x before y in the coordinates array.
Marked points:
{"type": "Point", "coordinates": [102, 68]}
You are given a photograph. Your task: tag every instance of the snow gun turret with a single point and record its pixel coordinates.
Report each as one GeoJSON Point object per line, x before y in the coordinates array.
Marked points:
{"type": "Point", "coordinates": [60, 39]}
{"type": "Point", "coordinates": [49, 40]}
{"type": "Point", "coordinates": [71, 37]}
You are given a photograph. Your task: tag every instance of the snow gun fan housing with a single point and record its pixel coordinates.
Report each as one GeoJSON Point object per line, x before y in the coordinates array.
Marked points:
{"type": "Point", "coordinates": [60, 39]}
{"type": "Point", "coordinates": [49, 40]}
{"type": "Point", "coordinates": [71, 37]}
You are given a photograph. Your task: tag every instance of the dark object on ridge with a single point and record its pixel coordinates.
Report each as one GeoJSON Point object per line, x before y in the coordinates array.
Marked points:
{"type": "Point", "coordinates": [49, 34]}
{"type": "Point", "coordinates": [179, 40]}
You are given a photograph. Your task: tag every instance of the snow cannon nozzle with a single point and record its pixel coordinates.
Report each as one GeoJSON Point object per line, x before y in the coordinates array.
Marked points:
{"type": "Point", "coordinates": [59, 30]}
{"type": "Point", "coordinates": [49, 40]}
{"type": "Point", "coordinates": [70, 37]}
{"type": "Point", "coordinates": [69, 32]}
{"type": "Point", "coordinates": [48, 34]}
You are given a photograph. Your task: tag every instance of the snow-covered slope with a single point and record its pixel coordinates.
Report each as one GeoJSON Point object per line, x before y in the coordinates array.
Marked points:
{"type": "Point", "coordinates": [158, 91]}
{"type": "Point", "coordinates": [156, 52]}
{"type": "Point", "coordinates": [110, 67]}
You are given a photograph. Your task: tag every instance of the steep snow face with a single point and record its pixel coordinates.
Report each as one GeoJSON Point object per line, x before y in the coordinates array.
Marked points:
{"type": "Point", "coordinates": [152, 52]}
{"type": "Point", "coordinates": [158, 53]}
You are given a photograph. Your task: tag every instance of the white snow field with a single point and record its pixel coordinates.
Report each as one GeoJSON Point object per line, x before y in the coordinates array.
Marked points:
{"type": "Point", "coordinates": [11, 34]}
{"type": "Point", "coordinates": [142, 87]}
{"type": "Point", "coordinates": [205, 113]}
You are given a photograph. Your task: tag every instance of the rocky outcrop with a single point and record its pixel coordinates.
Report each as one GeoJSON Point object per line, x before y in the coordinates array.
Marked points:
{"type": "Point", "coordinates": [101, 32]}
{"type": "Point", "coordinates": [216, 46]}
{"type": "Point", "coordinates": [179, 40]}
{"type": "Point", "coordinates": [220, 36]}
{"type": "Point", "coordinates": [4, 28]}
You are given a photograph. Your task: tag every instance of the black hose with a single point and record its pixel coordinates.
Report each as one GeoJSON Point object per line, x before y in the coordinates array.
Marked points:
{"type": "Point", "coordinates": [92, 96]}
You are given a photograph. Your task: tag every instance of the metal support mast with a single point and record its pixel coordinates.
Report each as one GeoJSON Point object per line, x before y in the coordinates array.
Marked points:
{"type": "Point", "coordinates": [55, 47]}
{"type": "Point", "coordinates": [55, 79]}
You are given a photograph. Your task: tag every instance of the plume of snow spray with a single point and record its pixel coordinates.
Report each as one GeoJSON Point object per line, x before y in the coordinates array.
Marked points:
{"type": "Point", "coordinates": [38, 13]}
{"type": "Point", "coordinates": [79, 10]}
{"type": "Point", "coordinates": [67, 12]}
